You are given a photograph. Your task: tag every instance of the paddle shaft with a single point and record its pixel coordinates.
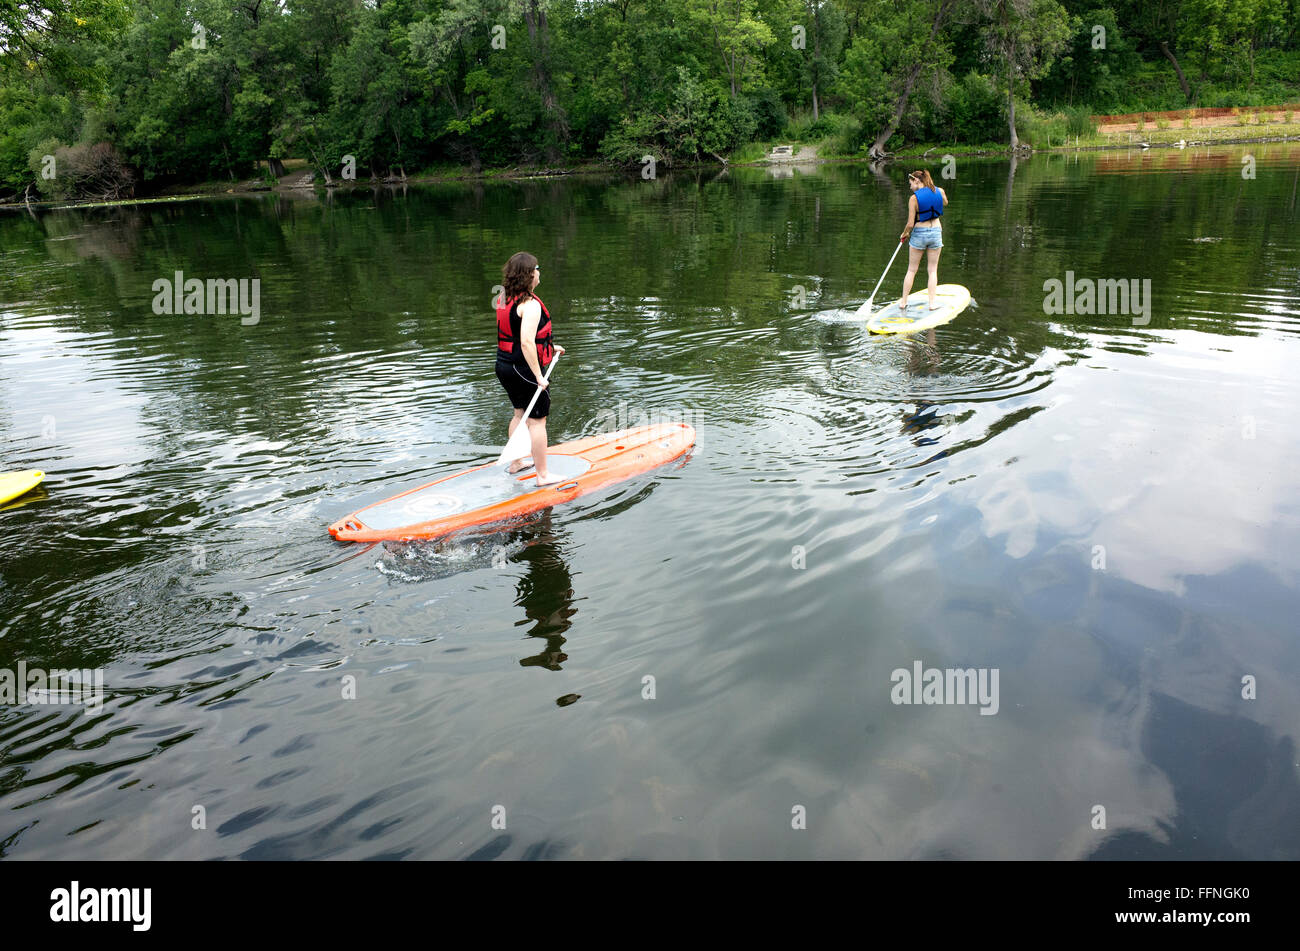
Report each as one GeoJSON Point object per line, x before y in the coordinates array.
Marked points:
{"type": "Point", "coordinates": [871, 299]}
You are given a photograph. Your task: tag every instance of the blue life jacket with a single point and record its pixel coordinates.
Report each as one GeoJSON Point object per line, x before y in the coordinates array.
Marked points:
{"type": "Point", "coordinates": [929, 204]}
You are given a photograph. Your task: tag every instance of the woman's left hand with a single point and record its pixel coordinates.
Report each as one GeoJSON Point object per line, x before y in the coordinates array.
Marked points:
{"type": "Point", "coordinates": [558, 350]}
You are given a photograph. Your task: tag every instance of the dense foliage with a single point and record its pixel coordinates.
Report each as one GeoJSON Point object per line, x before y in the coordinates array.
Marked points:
{"type": "Point", "coordinates": [207, 89]}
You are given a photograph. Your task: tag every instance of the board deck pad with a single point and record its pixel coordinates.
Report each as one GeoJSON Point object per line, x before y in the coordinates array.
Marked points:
{"type": "Point", "coordinates": [951, 300]}
{"type": "Point", "coordinates": [466, 492]}
{"type": "Point", "coordinates": [486, 494]}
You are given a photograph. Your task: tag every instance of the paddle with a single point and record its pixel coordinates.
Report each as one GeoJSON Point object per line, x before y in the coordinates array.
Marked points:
{"type": "Point", "coordinates": [866, 308]}
{"type": "Point", "coordinates": [520, 443]}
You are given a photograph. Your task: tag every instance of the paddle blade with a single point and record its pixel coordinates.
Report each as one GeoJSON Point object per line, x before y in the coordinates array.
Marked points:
{"type": "Point", "coordinates": [865, 309]}
{"type": "Point", "coordinates": [520, 444]}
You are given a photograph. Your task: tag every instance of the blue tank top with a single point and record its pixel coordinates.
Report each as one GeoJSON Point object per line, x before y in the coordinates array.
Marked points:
{"type": "Point", "coordinates": [929, 204]}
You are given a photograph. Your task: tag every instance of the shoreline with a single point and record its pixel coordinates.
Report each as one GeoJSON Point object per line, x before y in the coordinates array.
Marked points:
{"type": "Point", "coordinates": [1140, 145]}
{"type": "Point", "coordinates": [259, 186]}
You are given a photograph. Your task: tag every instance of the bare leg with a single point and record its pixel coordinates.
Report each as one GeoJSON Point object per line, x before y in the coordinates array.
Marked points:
{"type": "Point", "coordinates": [537, 430]}
{"type": "Point", "coordinates": [514, 424]}
{"type": "Point", "coordinates": [932, 265]}
{"type": "Point", "coordinates": [913, 263]}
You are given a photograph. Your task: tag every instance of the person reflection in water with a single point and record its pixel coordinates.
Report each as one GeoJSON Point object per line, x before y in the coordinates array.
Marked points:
{"type": "Point", "coordinates": [923, 360]}
{"type": "Point", "coordinates": [926, 417]}
{"type": "Point", "coordinates": [545, 592]}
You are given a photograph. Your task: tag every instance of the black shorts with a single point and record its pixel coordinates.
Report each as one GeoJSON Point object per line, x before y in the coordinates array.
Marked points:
{"type": "Point", "coordinates": [520, 384]}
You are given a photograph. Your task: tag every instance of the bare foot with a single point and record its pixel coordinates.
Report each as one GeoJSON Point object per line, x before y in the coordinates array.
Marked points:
{"type": "Point", "coordinates": [520, 466]}
{"type": "Point", "coordinates": [546, 479]}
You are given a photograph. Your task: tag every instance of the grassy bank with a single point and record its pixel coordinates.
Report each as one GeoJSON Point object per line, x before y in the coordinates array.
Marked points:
{"type": "Point", "coordinates": [1234, 129]}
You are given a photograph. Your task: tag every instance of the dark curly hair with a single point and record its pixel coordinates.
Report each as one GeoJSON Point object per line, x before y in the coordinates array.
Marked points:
{"type": "Point", "coordinates": [517, 275]}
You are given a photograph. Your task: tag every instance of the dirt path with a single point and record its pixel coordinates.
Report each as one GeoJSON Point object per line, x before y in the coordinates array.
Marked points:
{"type": "Point", "coordinates": [784, 154]}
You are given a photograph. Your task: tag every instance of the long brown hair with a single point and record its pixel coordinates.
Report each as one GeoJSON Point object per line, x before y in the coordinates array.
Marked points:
{"type": "Point", "coordinates": [517, 275]}
{"type": "Point", "coordinates": [924, 178]}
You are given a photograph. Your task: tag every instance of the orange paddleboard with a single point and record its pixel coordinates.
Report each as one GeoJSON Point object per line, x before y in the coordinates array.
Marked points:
{"type": "Point", "coordinates": [487, 494]}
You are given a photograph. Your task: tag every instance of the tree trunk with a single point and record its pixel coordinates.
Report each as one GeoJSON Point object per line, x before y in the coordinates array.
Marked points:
{"type": "Point", "coordinates": [1009, 38]}
{"type": "Point", "coordinates": [1178, 70]}
{"type": "Point", "coordinates": [878, 147]}
{"type": "Point", "coordinates": [1011, 115]}
{"type": "Point", "coordinates": [277, 167]}
{"type": "Point", "coordinates": [817, 55]}
{"type": "Point", "coordinates": [537, 36]}
{"type": "Point", "coordinates": [321, 166]}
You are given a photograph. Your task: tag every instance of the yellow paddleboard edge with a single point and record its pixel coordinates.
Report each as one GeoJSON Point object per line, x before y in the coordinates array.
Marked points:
{"type": "Point", "coordinates": [14, 484]}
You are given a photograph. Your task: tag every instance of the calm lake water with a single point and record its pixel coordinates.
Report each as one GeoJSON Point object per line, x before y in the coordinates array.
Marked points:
{"type": "Point", "coordinates": [1101, 509]}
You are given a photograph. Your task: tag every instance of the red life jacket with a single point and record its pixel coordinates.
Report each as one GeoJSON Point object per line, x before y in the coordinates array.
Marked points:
{"type": "Point", "coordinates": [508, 333]}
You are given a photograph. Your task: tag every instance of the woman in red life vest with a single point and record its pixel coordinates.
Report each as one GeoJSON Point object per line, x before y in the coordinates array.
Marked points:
{"type": "Point", "coordinates": [524, 347]}
{"type": "Point", "coordinates": [924, 209]}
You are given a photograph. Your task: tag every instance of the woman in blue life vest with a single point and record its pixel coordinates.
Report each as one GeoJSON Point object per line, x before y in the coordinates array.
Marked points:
{"type": "Point", "coordinates": [524, 347]}
{"type": "Point", "coordinates": [923, 211]}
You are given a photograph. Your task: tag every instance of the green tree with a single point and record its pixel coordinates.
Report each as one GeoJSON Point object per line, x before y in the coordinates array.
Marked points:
{"type": "Point", "coordinates": [699, 120]}
{"type": "Point", "coordinates": [1087, 72]}
{"type": "Point", "coordinates": [1231, 32]}
{"type": "Point", "coordinates": [827, 30]}
{"type": "Point", "coordinates": [1024, 37]}
{"type": "Point", "coordinates": [1158, 24]}
{"type": "Point", "coordinates": [896, 44]}
{"type": "Point", "coordinates": [452, 48]}
{"type": "Point", "coordinates": [739, 36]}
{"type": "Point", "coordinates": [376, 112]}
{"type": "Point", "coordinates": [55, 36]}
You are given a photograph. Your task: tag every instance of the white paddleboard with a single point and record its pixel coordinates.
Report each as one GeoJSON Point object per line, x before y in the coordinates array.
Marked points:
{"type": "Point", "coordinates": [950, 300]}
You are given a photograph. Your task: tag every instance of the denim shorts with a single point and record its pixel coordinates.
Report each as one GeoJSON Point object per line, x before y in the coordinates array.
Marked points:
{"type": "Point", "coordinates": [931, 237]}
